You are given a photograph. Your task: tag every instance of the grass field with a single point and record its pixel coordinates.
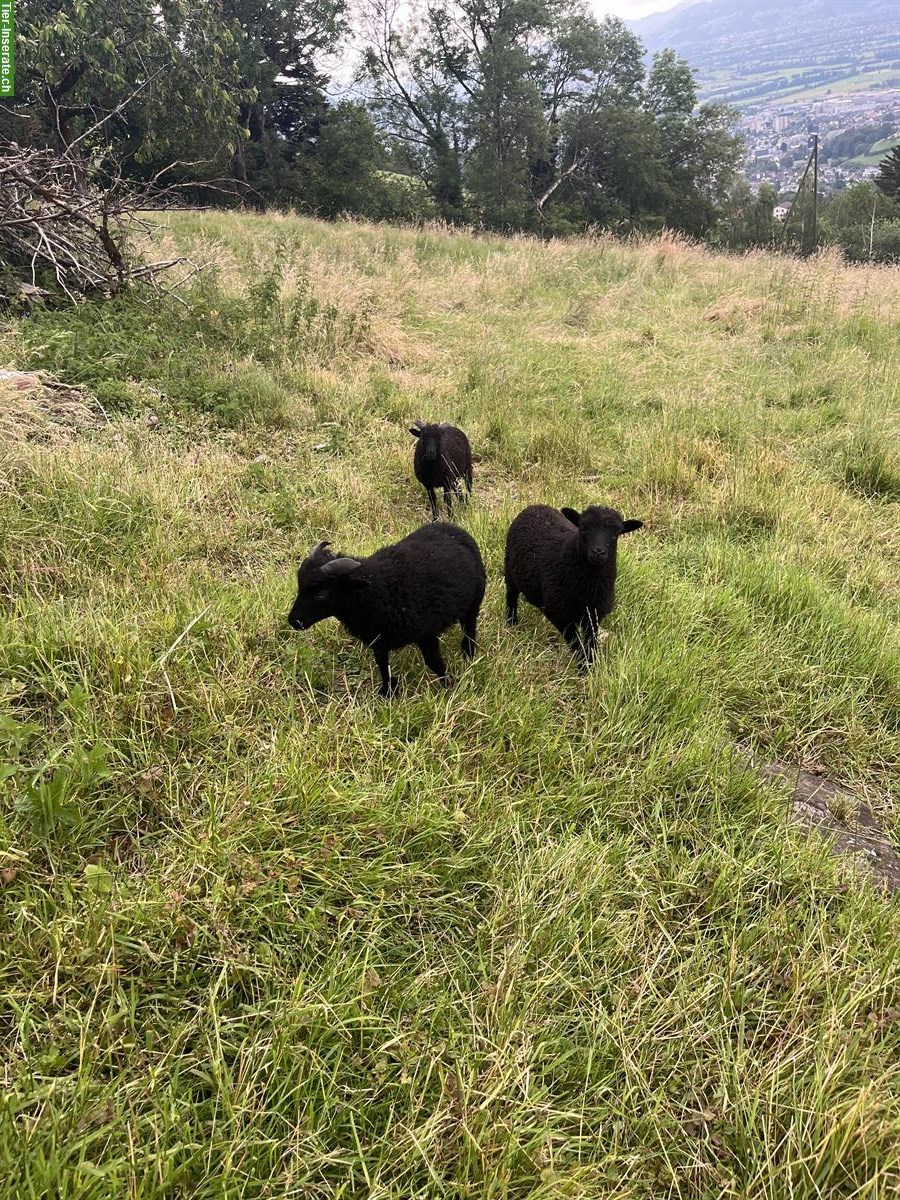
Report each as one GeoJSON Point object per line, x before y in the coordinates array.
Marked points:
{"type": "Point", "coordinates": [263, 934]}
{"type": "Point", "coordinates": [879, 80]}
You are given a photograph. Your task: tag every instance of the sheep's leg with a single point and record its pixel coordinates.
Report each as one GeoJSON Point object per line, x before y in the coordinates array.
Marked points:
{"type": "Point", "coordinates": [388, 681]}
{"type": "Point", "coordinates": [431, 652]}
{"type": "Point", "coordinates": [581, 642]}
{"type": "Point", "coordinates": [512, 605]}
{"type": "Point", "coordinates": [448, 501]}
{"type": "Point", "coordinates": [468, 478]}
{"type": "Point", "coordinates": [433, 499]}
{"type": "Point", "coordinates": [590, 627]}
{"type": "Point", "coordinates": [469, 624]}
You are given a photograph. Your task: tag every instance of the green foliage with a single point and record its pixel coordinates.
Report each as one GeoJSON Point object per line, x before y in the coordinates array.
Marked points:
{"type": "Point", "coordinates": [151, 80]}
{"type": "Point", "coordinates": [346, 165]}
{"type": "Point", "coordinates": [888, 178]}
{"type": "Point", "coordinates": [529, 115]}
{"type": "Point", "coordinates": [863, 221]}
{"type": "Point", "coordinates": [748, 220]}
{"type": "Point", "coordinates": [536, 116]}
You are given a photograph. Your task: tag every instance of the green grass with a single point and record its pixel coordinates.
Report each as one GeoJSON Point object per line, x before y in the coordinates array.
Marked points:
{"type": "Point", "coordinates": [265, 935]}
{"type": "Point", "coordinates": [881, 79]}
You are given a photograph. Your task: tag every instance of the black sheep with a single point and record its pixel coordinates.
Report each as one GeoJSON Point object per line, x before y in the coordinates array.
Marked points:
{"type": "Point", "coordinates": [564, 563]}
{"type": "Point", "coordinates": [442, 459]}
{"type": "Point", "coordinates": [402, 594]}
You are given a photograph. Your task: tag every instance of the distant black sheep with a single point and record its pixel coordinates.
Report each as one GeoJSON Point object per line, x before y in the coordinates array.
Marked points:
{"type": "Point", "coordinates": [407, 593]}
{"type": "Point", "coordinates": [443, 457]}
{"type": "Point", "coordinates": [564, 563]}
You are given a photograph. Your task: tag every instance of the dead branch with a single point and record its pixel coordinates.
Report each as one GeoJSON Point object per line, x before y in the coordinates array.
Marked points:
{"type": "Point", "coordinates": [61, 231]}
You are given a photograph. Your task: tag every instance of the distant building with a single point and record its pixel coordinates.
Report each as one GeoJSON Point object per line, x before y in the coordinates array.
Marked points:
{"type": "Point", "coordinates": [780, 212]}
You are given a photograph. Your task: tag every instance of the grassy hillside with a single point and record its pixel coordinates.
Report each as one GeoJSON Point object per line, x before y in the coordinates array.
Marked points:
{"type": "Point", "coordinates": [266, 935]}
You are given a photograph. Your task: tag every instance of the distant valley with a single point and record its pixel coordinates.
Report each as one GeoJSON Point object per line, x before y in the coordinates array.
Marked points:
{"type": "Point", "coordinates": [826, 67]}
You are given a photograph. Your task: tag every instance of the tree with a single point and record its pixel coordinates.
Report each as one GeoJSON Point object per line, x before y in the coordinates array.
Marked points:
{"type": "Point", "coordinates": [347, 158]}
{"type": "Point", "coordinates": [748, 219]}
{"type": "Point", "coordinates": [888, 178]}
{"type": "Point", "coordinates": [415, 101]}
{"type": "Point", "coordinates": [536, 112]}
{"type": "Point", "coordinates": [283, 102]}
{"type": "Point", "coordinates": [863, 222]}
{"type": "Point", "coordinates": [506, 124]}
{"type": "Point", "coordinates": [591, 75]}
{"type": "Point", "coordinates": [700, 152]}
{"type": "Point", "coordinates": [135, 79]}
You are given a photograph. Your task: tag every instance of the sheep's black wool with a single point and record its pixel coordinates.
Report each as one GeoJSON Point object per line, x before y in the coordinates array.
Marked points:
{"type": "Point", "coordinates": [408, 593]}
{"type": "Point", "coordinates": [443, 459]}
{"type": "Point", "coordinates": [564, 563]}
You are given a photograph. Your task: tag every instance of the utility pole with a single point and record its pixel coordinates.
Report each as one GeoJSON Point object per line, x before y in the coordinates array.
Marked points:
{"type": "Point", "coordinates": [815, 221]}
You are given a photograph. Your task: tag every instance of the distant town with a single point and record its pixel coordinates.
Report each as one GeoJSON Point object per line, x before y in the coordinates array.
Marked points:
{"type": "Point", "coordinates": [856, 130]}
{"type": "Point", "coordinates": [827, 68]}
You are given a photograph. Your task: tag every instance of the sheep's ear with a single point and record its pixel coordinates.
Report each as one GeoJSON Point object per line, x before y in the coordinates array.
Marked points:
{"type": "Point", "coordinates": [343, 570]}
{"type": "Point", "coordinates": [571, 515]}
{"type": "Point", "coordinates": [339, 567]}
{"type": "Point", "coordinates": [416, 428]}
{"type": "Point", "coordinates": [631, 526]}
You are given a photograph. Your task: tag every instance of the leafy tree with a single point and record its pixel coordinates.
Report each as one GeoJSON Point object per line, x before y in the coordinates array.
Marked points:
{"type": "Point", "coordinates": [699, 152]}
{"type": "Point", "coordinates": [416, 101]}
{"type": "Point", "coordinates": [346, 164]}
{"type": "Point", "coordinates": [142, 79]}
{"type": "Point", "coordinates": [862, 221]}
{"type": "Point", "coordinates": [888, 178]}
{"type": "Point", "coordinates": [283, 102]}
{"type": "Point", "coordinates": [748, 220]}
{"type": "Point", "coordinates": [508, 130]}
{"type": "Point", "coordinates": [537, 112]}
{"type": "Point", "coordinates": [591, 79]}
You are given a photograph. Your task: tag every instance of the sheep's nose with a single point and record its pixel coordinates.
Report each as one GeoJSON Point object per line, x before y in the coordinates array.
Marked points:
{"type": "Point", "coordinates": [295, 622]}
{"type": "Point", "coordinates": [596, 557]}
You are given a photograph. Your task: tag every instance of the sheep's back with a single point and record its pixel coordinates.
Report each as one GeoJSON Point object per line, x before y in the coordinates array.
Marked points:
{"type": "Point", "coordinates": [422, 585]}
{"type": "Point", "coordinates": [539, 549]}
{"type": "Point", "coordinates": [455, 450]}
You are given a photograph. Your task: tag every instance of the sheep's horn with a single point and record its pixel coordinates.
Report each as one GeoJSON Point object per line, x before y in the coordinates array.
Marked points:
{"type": "Point", "coordinates": [318, 548]}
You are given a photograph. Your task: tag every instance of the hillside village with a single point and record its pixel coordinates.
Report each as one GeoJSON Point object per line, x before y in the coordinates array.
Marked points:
{"type": "Point", "coordinates": [855, 129]}
{"type": "Point", "coordinates": [831, 68]}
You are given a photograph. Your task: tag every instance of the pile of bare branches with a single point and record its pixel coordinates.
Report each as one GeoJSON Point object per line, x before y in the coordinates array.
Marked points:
{"type": "Point", "coordinates": [60, 230]}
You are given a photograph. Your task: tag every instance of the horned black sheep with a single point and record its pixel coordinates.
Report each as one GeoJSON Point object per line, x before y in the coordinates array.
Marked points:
{"type": "Point", "coordinates": [404, 594]}
{"type": "Point", "coordinates": [442, 459]}
{"type": "Point", "coordinates": [564, 563]}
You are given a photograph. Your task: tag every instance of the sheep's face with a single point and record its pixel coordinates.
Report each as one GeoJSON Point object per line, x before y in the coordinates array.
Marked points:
{"type": "Point", "coordinates": [430, 438]}
{"type": "Point", "coordinates": [321, 581]}
{"type": "Point", "coordinates": [599, 530]}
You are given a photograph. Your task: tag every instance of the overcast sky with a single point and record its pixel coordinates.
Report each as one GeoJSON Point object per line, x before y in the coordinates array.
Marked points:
{"type": "Point", "coordinates": [630, 8]}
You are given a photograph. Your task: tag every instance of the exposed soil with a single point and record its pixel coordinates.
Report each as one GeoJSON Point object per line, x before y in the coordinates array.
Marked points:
{"type": "Point", "coordinates": [861, 839]}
